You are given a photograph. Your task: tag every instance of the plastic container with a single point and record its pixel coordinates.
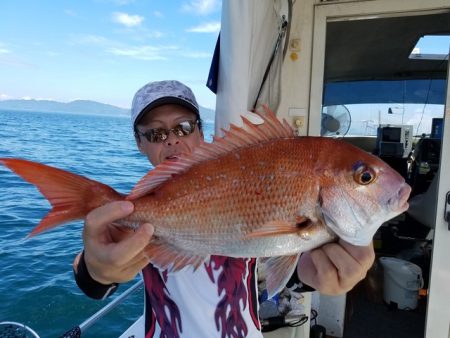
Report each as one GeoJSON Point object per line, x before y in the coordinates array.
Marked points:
{"type": "Point", "coordinates": [402, 282]}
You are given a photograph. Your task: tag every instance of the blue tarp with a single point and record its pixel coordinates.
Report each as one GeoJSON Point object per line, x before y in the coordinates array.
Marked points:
{"type": "Point", "coordinates": [213, 77]}
{"type": "Point", "coordinates": [430, 91]}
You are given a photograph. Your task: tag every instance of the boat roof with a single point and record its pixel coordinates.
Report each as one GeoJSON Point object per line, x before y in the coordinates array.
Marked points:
{"type": "Point", "coordinates": [358, 71]}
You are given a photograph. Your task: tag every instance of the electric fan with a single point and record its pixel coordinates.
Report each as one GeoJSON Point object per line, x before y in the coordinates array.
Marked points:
{"type": "Point", "coordinates": [336, 121]}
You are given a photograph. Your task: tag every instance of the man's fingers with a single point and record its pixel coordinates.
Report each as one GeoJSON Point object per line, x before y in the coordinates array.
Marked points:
{"type": "Point", "coordinates": [125, 250]}
{"type": "Point", "coordinates": [335, 268]}
{"type": "Point", "coordinates": [132, 270]}
{"type": "Point", "coordinates": [107, 214]}
{"type": "Point", "coordinates": [365, 255]}
{"type": "Point", "coordinates": [326, 270]}
{"type": "Point", "coordinates": [306, 269]}
{"type": "Point", "coordinates": [340, 258]}
{"type": "Point", "coordinates": [350, 260]}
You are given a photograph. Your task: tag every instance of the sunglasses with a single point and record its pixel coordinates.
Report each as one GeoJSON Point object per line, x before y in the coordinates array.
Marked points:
{"type": "Point", "coordinates": [159, 135]}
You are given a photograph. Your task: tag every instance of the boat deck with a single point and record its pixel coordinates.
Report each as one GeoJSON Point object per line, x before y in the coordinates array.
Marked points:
{"type": "Point", "coordinates": [369, 317]}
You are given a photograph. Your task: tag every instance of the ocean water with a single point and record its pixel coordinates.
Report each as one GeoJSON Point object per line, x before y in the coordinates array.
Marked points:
{"type": "Point", "coordinates": [36, 280]}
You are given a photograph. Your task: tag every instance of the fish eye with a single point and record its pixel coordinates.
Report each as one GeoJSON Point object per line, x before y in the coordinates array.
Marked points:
{"type": "Point", "coordinates": [363, 175]}
{"type": "Point", "coordinates": [366, 177]}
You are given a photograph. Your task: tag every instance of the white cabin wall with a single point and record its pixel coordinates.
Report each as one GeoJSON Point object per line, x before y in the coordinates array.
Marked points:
{"type": "Point", "coordinates": [438, 310]}
{"type": "Point", "coordinates": [296, 71]}
{"type": "Point", "coordinates": [248, 34]}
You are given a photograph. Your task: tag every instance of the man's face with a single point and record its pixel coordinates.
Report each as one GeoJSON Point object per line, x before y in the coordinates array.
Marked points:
{"type": "Point", "coordinates": [167, 116]}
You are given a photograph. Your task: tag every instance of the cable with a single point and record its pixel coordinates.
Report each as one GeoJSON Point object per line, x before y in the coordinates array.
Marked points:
{"type": "Point", "coordinates": [281, 33]}
{"type": "Point", "coordinates": [314, 315]}
{"type": "Point", "coordinates": [299, 322]}
{"type": "Point", "coordinates": [274, 323]}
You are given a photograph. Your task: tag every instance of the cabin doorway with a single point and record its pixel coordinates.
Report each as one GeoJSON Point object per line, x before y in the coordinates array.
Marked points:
{"type": "Point", "coordinates": [371, 87]}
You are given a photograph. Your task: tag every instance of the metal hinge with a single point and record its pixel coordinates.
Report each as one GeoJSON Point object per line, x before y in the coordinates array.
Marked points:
{"type": "Point", "coordinates": [447, 209]}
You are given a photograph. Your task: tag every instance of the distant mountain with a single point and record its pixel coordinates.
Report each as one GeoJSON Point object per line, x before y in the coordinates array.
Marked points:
{"type": "Point", "coordinates": [80, 107]}
{"type": "Point", "coordinates": [207, 114]}
{"type": "Point", "coordinates": [77, 106]}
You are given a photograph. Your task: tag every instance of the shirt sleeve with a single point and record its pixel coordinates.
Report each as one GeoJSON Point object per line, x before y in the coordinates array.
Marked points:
{"type": "Point", "coordinates": [88, 285]}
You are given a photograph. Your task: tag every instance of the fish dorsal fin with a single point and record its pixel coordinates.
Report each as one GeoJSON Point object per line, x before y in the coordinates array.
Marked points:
{"type": "Point", "coordinates": [234, 138]}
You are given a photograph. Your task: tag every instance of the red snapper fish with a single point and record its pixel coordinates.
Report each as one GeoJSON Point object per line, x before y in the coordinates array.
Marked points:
{"type": "Point", "coordinates": [259, 191]}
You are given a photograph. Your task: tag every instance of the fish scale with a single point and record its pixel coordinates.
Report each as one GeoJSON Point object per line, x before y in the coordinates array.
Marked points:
{"type": "Point", "coordinates": [262, 195]}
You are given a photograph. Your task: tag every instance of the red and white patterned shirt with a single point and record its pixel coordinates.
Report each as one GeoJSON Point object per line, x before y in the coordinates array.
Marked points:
{"type": "Point", "coordinates": [219, 299]}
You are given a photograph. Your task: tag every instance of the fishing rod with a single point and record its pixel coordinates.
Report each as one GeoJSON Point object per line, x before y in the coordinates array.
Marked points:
{"type": "Point", "coordinates": [18, 330]}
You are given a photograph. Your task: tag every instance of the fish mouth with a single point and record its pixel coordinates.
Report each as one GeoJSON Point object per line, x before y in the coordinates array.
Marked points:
{"type": "Point", "coordinates": [399, 202]}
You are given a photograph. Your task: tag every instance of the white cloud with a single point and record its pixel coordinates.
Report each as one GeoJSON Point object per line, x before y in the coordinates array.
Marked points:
{"type": "Point", "coordinates": [209, 27]}
{"type": "Point", "coordinates": [123, 2]}
{"type": "Point", "coordinates": [4, 97]}
{"type": "Point", "coordinates": [52, 53]}
{"type": "Point", "coordinates": [198, 55]}
{"type": "Point", "coordinates": [90, 40]}
{"type": "Point", "coordinates": [202, 7]}
{"type": "Point", "coordinates": [138, 51]}
{"type": "Point", "coordinates": [7, 57]}
{"type": "Point", "coordinates": [158, 14]}
{"type": "Point", "coordinates": [3, 49]}
{"type": "Point", "coordinates": [146, 53]}
{"type": "Point", "coordinates": [29, 98]}
{"type": "Point", "coordinates": [155, 34]}
{"type": "Point", "coordinates": [127, 19]}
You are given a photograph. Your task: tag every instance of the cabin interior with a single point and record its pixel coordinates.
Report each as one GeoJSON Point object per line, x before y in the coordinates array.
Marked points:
{"type": "Point", "coordinates": [371, 61]}
{"type": "Point", "coordinates": [371, 65]}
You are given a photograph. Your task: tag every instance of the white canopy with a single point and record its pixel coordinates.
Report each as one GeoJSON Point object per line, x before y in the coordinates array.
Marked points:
{"type": "Point", "coordinates": [248, 38]}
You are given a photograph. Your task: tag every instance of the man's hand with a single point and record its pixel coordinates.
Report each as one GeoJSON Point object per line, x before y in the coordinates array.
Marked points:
{"type": "Point", "coordinates": [335, 268]}
{"type": "Point", "coordinates": [112, 254]}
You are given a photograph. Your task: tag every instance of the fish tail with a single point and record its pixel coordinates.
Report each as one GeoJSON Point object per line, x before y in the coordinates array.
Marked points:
{"type": "Point", "coordinates": [71, 196]}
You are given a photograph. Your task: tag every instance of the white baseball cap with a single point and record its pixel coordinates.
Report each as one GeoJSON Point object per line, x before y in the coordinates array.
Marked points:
{"type": "Point", "coordinates": [157, 93]}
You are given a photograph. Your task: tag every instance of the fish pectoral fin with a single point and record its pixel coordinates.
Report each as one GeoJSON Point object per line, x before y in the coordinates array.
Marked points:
{"type": "Point", "coordinates": [168, 257]}
{"type": "Point", "coordinates": [273, 228]}
{"type": "Point", "coordinates": [278, 270]}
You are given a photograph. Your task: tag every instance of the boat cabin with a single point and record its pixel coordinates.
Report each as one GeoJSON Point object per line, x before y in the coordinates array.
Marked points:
{"type": "Point", "coordinates": [358, 70]}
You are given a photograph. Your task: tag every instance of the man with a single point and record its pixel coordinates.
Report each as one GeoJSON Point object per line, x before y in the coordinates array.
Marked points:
{"type": "Point", "coordinates": [220, 297]}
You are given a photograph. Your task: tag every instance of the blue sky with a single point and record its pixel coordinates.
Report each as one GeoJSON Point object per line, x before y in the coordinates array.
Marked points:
{"type": "Point", "coordinates": [434, 44]}
{"type": "Point", "coordinates": [104, 50]}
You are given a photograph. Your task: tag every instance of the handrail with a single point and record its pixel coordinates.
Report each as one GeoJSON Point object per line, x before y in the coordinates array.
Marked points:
{"type": "Point", "coordinates": [76, 331]}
